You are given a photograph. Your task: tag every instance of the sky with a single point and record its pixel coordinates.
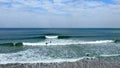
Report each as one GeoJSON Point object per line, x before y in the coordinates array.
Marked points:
{"type": "Point", "coordinates": [59, 13]}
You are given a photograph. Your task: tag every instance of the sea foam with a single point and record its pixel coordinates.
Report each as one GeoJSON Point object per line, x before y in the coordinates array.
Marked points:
{"type": "Point", "coordinates": [66, 42]}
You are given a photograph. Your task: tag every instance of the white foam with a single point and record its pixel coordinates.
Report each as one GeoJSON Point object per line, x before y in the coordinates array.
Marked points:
{"type": "Point", "coordinates": [111, 55]}
{"type": "Point", "coordinates": [30, 56]}
{"type": "Point", "coordinates": [66, 42]}
{"type": "Point", "coordinates": [51, 37]}
{"type": "Point", "coordinates": [33, 56]}
{"type": "Point", "coordinates": [7, 61]}
{"type": "Point", "coordinates": [97, 42]}
{"type": "Point", "coordinates": [44, 61]}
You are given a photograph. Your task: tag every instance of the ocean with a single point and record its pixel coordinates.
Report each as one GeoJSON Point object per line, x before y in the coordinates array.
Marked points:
{"type": "Point", "coordinates": [23, 45]}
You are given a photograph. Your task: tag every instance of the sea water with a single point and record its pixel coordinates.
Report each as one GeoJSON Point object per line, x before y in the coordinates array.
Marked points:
{"type": "Point", "coordinates": [57, 44]}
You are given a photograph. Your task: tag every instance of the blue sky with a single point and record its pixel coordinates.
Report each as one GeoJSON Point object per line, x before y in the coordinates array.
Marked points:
{"type": "Point", "coordinates": [60, 13]}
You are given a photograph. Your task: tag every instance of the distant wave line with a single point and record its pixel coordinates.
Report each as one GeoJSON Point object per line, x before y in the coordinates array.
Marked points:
{"type": "Point", "coordinates": [49, 36]}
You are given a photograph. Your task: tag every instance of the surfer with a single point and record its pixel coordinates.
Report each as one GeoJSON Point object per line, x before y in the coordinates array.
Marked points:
{"type": "Point", "coordinates": [46, 43]}
{"type": "Point", "coordinates": [50, 42]}
{"type": "Point", "coordinates": [87, 54]}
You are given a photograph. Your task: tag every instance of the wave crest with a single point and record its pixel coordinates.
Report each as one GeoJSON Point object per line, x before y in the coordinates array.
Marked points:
{"type": "Point", "coordinates": [67, 43]}
{"type": "Point", "coordinates": [57, 42]}
{"type": "Point", "coordinates": [51, 37]}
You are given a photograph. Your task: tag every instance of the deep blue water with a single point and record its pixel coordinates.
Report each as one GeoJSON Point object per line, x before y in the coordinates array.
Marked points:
{"type": "Point", "coordinates": [35, 34]}
{"type": "Point", "coordinates": [32, 44]}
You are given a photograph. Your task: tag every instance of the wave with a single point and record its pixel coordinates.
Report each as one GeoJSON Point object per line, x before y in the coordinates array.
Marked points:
{"type": "Point", "coordinates": [63, 37]}
{"type": "Point", "coordinates": [11, 44]}
{"type": "Point", "coordinates": [24, 58]}
{"type": "Point", "coordinates": [51, 37]}
{"type": "Point", "coordinates": [111, 55]}
{"type": "Point", "coordinates": [66, 43]}
{"type": "Point", "coordinates": [57, 42]}
{"type": "Point", "coordinates": [33, 55]}
{"type": "Point", "coordinates": [117, 41]}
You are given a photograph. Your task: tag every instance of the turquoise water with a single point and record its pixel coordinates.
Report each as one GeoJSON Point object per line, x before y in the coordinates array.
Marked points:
{"type": "Point", "coordinates": [45, 44]}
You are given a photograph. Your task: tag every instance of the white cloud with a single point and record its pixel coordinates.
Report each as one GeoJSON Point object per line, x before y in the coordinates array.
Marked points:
{"type": "Point", "coordinates": [58, 7]}
{"type": "Point", "coordinates": [57, 1]}
{"type": "Point", "coordinates": [4, 0]}
{"type": "Point", "coordinates": [78, 13]}
{"type": "Point", "coordinates": [117, 1]}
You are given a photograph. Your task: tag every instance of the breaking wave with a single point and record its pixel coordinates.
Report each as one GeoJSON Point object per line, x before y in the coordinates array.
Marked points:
{"type": "Point", "coordinates": [28, 57]}
{"type": "Point", "coordinates": [51, 37]}
{"type": "Point", "coordinates": [48, 37]}
{"type": "Point", "coordinates": [67, 43]}
{"type": "Point", "coordinates": [58, 42]}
